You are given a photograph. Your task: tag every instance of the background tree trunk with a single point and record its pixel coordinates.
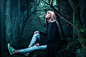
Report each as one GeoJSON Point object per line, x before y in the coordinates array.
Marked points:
{"type": "Point", "coordinates": [8, 23]}
{"type": "Point", "coordinates": [2, 28]}
{"type": "Point", "coordinates": [80, 29]}
{"type": "Point", "coordinates": [74, 30]}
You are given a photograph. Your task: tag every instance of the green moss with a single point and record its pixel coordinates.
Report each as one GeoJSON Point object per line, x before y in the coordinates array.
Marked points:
{"type": "Point", "coordinates": [82, 29]}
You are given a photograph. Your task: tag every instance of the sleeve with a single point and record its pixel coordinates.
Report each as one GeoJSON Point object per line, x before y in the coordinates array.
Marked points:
{"type": "Point", "coordinates": [50, 38]}
{"type": "Point", "coordinates": [42, 33]}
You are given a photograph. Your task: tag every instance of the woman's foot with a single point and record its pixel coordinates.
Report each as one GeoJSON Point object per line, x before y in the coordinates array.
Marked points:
{"type": "Point", "coordinates": [11, 49]}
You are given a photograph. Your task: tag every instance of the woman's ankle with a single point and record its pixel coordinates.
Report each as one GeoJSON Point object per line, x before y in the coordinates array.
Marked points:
{"type": "Point", "coordinates": [16, 51]}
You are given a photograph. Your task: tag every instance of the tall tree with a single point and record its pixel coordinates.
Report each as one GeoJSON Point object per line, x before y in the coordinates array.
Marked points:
{"type": "Point", "coordinates": [8, 24]}
{"type": "Point", "coordinates": [79, 28]}
{"type": "Point", "coordinates": [2, 28]}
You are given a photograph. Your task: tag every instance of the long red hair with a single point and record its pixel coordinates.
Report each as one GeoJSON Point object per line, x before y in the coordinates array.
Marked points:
{"type": "Point", "coordinates": [53, 18]}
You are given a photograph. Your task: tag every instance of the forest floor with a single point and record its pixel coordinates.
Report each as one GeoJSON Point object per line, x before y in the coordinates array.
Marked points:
{"type": "Point", "coordinates": [35, 54]}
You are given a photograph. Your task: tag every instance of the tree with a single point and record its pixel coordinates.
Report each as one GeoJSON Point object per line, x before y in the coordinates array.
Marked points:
{"type": "Point", "coordinates": [2, 28]}
{"type": "Point", "coordinates": [79, 28]}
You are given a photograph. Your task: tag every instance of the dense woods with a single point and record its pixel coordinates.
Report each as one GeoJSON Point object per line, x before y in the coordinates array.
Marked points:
{"type": "Point", "coordinates": [20, 18]}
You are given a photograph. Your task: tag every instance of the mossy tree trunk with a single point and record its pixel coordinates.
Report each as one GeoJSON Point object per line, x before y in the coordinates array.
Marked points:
{"type": "Point", "coordinates": [79, 28]}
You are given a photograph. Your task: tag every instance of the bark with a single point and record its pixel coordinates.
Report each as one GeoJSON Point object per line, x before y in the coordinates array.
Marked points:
{"type": "Point", "coordinates": [1, 31]}
{"type": "Point", "coordinates": [74, 31]}
{"type": "Point", "coordinates": [8, 24]}
{"type": "Point", "coordinates": [2, 28]}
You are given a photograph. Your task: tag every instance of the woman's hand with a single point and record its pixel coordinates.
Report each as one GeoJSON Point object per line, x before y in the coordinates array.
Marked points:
{"type": "Point", "coordinates": [36, 32]}
{"type": "Point", "coordinates": [37, 44]}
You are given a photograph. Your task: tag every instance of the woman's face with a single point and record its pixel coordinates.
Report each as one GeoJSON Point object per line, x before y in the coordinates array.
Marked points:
{"type": "Point", "coordinates": [47, 15]}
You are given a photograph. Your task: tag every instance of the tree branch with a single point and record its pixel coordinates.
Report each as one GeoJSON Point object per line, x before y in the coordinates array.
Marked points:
{"type": "Point", "coordinates": [71, 5]}
{"type": "Point", "coordinates": [74, 8]}
{"type": "Point", "coordinates": [36, 6]}
{"type": "Point", "coordinates": [46, 2]}
{"type": "Point", "coordinates": [61, 16]}
{"type": "Point", "coordinates": [51, 2]}
{"type": "Point", "coordinates": [77, 6]}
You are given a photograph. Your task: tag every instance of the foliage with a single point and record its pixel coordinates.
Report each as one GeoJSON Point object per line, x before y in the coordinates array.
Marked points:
{"type": "Point", "coordinates": [65, 53]}
{"type": "Point", "coordinates": [82, 29]}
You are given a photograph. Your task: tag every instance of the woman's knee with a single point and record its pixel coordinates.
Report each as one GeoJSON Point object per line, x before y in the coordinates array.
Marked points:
{"type": "Point", "coordinates": [36, 35]}
{"type": "Point", "coordinates": [40, 47]}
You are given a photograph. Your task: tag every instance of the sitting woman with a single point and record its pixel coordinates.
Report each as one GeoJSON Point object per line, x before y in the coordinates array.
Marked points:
{"type": "Point", "coordinates": [48, 41]}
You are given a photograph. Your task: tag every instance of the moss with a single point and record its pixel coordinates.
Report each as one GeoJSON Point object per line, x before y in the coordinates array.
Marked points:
{"type": "Point", "coordinates": [82, 30]}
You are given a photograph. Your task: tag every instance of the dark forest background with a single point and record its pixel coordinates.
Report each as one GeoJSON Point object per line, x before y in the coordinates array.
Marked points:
{"type": "Point", "coordinates": [20, 18]}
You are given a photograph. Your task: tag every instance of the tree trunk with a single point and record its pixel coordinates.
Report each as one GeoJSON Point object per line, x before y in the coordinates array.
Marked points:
{"type": "Point", "coordinates": [74, 30]}
{"type": "Point", "coordinates": [80, 29]}
{"type": "Point", "coordinates": [73, 27]}
{"type": "Point", "coordinates": [2, 28]}
{"type": "Point", "coordinates": [8, 24]}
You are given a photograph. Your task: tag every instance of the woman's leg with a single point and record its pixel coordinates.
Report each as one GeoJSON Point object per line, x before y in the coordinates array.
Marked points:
{"type": "Point", "coordinates": [33, 48]}
{"type": "Point", "coordinates": [26, 50]}
{"type": "Point", "coordinates": [34, 38]}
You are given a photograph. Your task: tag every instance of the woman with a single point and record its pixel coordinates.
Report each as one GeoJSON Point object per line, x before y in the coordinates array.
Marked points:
{"type": "Point", "coordinates": [48, 41]}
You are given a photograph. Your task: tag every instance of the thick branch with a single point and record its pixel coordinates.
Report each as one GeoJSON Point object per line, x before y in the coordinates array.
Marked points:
{"type": "Point", "coordinates": [60, 15]}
